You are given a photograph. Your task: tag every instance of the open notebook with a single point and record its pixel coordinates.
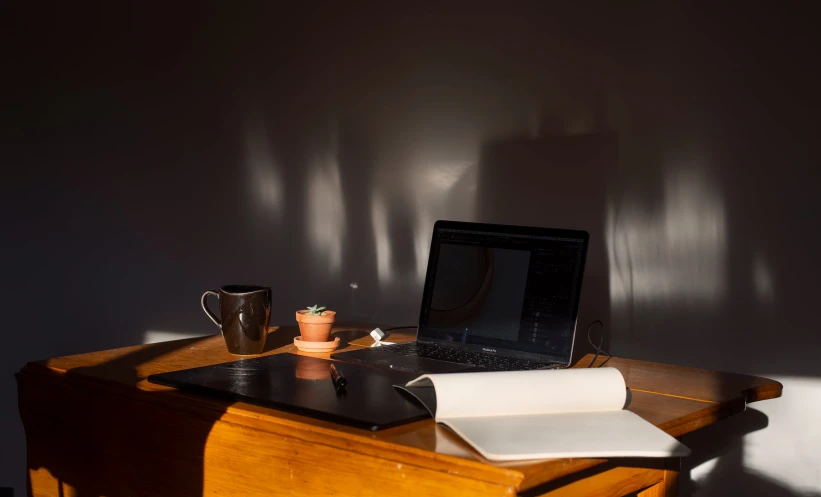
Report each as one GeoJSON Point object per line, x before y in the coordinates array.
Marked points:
{"type": "Point", "coordinates": [516, 415]}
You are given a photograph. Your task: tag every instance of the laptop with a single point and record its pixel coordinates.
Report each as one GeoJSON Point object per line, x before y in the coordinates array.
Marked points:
{"type": "Point", "coordinates": [496, 298]}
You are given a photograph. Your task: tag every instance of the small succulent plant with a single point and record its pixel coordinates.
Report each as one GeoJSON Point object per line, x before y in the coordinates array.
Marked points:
{"type": "Point", "coordinates": [316, 310]}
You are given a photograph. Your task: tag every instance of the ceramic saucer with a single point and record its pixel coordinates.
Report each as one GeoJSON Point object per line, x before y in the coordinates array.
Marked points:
{"type": "Point", "coordinates": [316, 346]}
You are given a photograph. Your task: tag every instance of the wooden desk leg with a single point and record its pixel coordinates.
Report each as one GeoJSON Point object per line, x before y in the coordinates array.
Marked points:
{"type": "Point", "coordinates": [668, 487]}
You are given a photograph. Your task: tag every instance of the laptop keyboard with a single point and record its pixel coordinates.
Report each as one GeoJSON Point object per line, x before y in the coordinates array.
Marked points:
{"type": "Point", "coordinates": [489, 361]}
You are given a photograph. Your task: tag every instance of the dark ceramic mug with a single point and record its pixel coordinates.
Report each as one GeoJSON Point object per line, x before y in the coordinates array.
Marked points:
{"type": "Point", "coordinates": [245, 312]}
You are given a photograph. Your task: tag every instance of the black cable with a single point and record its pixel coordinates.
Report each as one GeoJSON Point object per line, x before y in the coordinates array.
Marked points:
{"type": "Point", "coordinates": [398, 328]}
{"type": "Point", "coordinates": [598, 348]}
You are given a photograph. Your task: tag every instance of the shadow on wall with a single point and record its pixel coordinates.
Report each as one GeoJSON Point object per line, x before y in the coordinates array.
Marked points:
{"type": "Point", "coordinates": [558, 181]}
{"type": "Point", "coordinates": [721, 446]}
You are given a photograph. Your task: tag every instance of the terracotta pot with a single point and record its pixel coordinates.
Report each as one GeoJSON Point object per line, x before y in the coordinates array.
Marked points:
{"type": "Point", "coordinates": [315, 328]}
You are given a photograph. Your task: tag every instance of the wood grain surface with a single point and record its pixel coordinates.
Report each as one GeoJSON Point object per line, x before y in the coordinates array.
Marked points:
{"type": "Point", "coordinates": [95, 426]}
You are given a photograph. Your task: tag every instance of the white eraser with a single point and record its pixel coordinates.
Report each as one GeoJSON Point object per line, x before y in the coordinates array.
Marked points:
{"type": "Point", "coordinates": [378, 334]}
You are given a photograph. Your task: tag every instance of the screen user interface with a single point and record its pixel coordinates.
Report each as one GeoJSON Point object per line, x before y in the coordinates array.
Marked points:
{"type": "Point", "coordinates": [505, 290]}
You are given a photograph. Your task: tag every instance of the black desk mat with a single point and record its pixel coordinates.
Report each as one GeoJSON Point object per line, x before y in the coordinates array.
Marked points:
{"type": "Point", "coordinates": [303, 385]}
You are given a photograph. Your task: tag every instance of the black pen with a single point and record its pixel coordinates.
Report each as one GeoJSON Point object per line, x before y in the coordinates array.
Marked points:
{"type": "Point", "coordinates": [336, 376]}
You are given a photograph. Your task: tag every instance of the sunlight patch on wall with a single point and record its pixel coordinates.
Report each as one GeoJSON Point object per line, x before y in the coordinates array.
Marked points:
{"type": "Point", "coordinates": [703, 470]}
{"type": "Point", "coordinates": [379, 223]}
{"type": "Point", "coordinates": [762, 280]}
{"type": "Point", "coordinates": [441, 178]}
{"type": "Point", "coordinates": [676, 252]}
{"type": "Point", "coordinates": [423, 231]}
{"type": "Point", "coordinates": [264, 173]}
{"type": "Point", "coordinates": [422, 193]}
{"type": "Point", "coordinates": [445, 190]}
{"type": "Point", "coordinates": [325, 208]}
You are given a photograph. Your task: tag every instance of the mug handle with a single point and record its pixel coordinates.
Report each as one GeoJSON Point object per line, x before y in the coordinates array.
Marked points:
{"type": "Point", "coordinates": [208, 312]}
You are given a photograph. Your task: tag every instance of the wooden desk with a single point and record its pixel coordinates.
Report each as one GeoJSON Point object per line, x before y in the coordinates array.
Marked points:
{"type": "Point", "coordinates": [95, 426]}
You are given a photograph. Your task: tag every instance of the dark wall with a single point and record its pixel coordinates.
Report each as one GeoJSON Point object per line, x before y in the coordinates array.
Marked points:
{"type": "Point", "coordinates": [150, 152]}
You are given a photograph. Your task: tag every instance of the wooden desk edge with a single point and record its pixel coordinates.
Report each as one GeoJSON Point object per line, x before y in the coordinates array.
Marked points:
{"type": "Point", "coordinates": [283, 423]}
{"type": "Point", "coordinates": [763, 389]}
{"type": "Point", "coordinates": [523, 477]}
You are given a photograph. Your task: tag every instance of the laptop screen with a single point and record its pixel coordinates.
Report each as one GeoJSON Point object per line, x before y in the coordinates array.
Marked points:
{"type": "Point", "coordinates": [504, 289]}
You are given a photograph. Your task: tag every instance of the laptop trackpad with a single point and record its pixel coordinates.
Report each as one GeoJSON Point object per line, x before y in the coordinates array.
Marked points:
{"type": "Point", "coordinates": [412, 363]}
